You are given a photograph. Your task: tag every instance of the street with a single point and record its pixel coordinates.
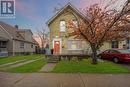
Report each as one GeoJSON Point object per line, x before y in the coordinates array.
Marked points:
{"type": "Point", "coordinates": [63, 80]}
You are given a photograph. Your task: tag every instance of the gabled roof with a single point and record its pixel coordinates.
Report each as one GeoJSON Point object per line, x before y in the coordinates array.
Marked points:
{"type": "Point", "coordinates": [24, 30]}
{"type": "Point", "coordinates": [69, 5]}
{"type": "Point", "coordinates": [12, 31]}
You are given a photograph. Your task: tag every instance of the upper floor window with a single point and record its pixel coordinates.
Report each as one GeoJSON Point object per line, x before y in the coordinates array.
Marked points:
{"type": "Point", "coordinates": [62, 26]}
{"type": "Point", "coordinates": [75, 22]}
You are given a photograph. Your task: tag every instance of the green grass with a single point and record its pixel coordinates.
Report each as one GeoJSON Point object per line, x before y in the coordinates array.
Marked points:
{"type": "Point", "coordinates": [29, 68]}
{"type": "Point", "coordinates": [85, 66]}
{"type": "Point", "coordinates": [16, 58]}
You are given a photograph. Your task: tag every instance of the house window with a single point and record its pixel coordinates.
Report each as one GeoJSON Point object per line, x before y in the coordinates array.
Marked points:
{"type": "Point", "coordinates": [2, 44]}
{"type": "Point", "coordinates": [74, 44]}
{"type": "Point", "coordinates": [62, 26]}
{"type": "Point", "coordinates": [128, 43]}
{"type": "Point", "coordinates": [115, 44]}
{"type": "Point", "coordinates": [21, 45]}
{"type": "Point", "coordinates": [31, 45]}
{"type": "Point", "coordinates": [75, 22]}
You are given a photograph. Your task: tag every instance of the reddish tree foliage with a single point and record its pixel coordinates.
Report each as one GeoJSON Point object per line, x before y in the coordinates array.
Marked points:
{"type": "Point", "coordinates": [100, 25]}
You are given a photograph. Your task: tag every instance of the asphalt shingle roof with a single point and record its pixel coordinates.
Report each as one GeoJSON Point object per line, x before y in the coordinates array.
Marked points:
{"type": "Point", "coordinates": [13, 32]}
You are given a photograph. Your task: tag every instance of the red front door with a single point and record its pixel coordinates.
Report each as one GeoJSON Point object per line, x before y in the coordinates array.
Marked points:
{"type": "Point", "coordinates": [56, 47]}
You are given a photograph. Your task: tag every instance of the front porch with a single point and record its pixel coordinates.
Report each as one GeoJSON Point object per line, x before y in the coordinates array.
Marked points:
{"type": "Point", "coordinates": [54, 58]}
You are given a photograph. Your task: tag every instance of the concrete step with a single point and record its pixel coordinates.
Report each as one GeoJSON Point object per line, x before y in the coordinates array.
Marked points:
{"type": "Point", "coordinates": [52, 61]}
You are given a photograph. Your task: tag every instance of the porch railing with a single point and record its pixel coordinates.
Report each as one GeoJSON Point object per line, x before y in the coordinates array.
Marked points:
{"type": "Point", "coordinates": [3, 52]}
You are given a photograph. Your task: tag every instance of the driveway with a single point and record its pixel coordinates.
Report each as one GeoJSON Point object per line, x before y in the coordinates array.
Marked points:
{"type": "Point", "coordinates": [64, 80]}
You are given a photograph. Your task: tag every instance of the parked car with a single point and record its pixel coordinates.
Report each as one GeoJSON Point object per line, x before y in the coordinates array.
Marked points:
{"type": "Point", "coordinates": [116, 55]}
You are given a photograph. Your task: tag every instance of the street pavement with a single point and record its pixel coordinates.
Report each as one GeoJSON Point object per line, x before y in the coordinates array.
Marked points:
{"type": "Point", "coordinates": [63, 80]}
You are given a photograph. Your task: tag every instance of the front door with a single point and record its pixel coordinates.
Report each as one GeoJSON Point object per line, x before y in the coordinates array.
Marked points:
{"type": "Point", "coordinates": [56, 47]}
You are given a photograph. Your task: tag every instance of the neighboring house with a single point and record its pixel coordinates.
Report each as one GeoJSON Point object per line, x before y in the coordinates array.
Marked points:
{"type": "Point", "coordinates": [14, 41]}
{"type": "Point", "coordinates": [62, 44]}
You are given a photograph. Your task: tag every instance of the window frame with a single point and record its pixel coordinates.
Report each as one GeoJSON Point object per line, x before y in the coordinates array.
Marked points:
{"type": "Point", "coordinates": [75, 42]}
{"type": "Point", "coordinates": [62, 26]}
{"type": "Point", "coordinates": [3, 44]}
{"type": "Point", "coordinates": [75, 22]}
{"type": "Point", "coordinates": [22, 44]}
{"type": "Point", "coordinates": [32, 46]}
{"type": "Point", "coordinates": [115, 44]}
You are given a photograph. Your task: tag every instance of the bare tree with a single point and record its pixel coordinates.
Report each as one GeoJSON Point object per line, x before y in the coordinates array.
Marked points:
{"type": "Point", "coordinates": [57, 8]}
{"type": "Point", "coordinates": [42, 35]}
{"type": "Point", "coordinates": [101, 24]}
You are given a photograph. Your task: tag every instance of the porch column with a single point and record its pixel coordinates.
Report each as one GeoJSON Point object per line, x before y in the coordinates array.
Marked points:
{"type": "Point", "coordinates": [13, 48]}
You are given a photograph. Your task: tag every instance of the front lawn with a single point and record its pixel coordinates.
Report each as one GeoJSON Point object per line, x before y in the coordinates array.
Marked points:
{"type": "Point", "coordinates": [25, 68]}
{"type": "Point", "coordinates": [29, 68]}
{"type": "Point", "coordinates": [85, 66]}
{"type": "Point", "coordinates": [17, 58]}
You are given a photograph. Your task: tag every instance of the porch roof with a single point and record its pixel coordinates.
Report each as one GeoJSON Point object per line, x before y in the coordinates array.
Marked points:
{"type": "Point", "coordinates": [3, 39]}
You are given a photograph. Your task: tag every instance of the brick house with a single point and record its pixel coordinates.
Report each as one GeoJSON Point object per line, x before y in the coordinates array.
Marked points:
{"type": "Point", "coordinates": [69, 45]}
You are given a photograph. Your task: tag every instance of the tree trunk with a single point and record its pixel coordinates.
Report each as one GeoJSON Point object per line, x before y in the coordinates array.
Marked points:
{"type": "Point", "coordinates": [94, 55]}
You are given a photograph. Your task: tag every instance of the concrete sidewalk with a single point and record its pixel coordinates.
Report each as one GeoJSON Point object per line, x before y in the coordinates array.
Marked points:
{"type": "Point", "coordinates": [48, 67]}
{"type": "Point", "coordinates": [64, 80]}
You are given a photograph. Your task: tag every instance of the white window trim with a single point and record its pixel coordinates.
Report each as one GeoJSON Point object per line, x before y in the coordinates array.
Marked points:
{"type": "Point", "coordinates": [61, 30]}
{"type": "Point", "coordinates": [22, 45]}
{"type": "Point", "coordinates": [75, 22]}
{"type": "Point", "coordinates": [76, 48]}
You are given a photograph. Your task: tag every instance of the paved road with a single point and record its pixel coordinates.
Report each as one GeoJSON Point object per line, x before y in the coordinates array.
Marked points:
{"type": "Point", "coordinates": [63, 80]}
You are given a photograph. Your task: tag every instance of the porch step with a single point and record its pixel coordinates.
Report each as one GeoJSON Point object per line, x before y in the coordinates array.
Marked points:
{"type": "Point", "coordinates": [53, 60]}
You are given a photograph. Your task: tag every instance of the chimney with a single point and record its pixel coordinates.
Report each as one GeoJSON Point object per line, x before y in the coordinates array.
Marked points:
{"type": "Point", "coordinates": [16, 26]}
